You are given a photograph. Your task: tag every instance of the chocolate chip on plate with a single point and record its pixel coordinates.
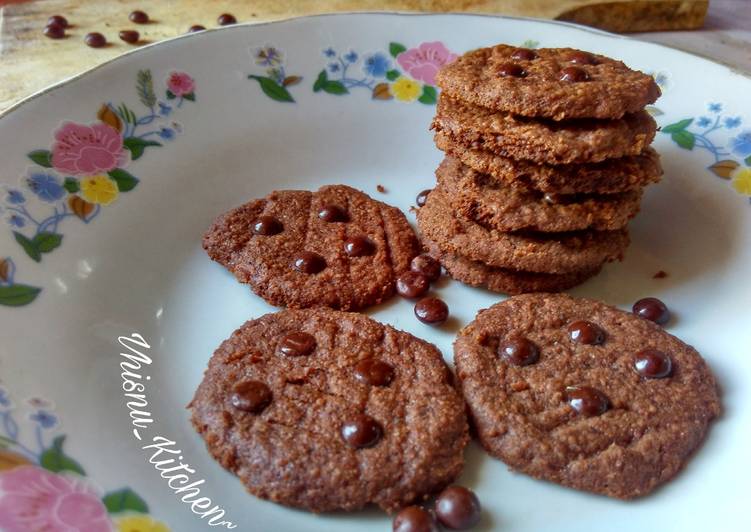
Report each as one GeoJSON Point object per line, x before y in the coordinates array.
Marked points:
{"type": "Point", "coordinates": [414, 519]}
{"type": "Point", "coordinates": [653, 363]}
{"type": "Point", "coordinates": [431, 310]}
{"type": "Point", "coordinates": [652, 309]}
{"type": "Point", "coordinates": [458, 508]}
{"type": "Point", "coordinates": [412, 285]}
{"type": "Point", "coordinates": [426, 265]}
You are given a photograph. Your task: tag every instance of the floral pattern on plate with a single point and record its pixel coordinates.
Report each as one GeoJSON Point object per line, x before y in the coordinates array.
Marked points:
{"type": "Point", "coordinates": [274, 84]}
{"type": "Point", "coordinates": [14, 294]}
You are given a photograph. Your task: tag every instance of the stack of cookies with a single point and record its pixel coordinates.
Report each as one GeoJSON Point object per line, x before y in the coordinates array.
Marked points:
{"type": "Point", "coordinates": [547, 153]}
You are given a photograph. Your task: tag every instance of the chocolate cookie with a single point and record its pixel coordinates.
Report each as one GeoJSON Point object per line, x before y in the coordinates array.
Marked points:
{"type": "Point", "coordinates": [480, 198]}
{"type": "Point", "coordinates": [534, 252]}
{"type": "Point", "coordinates": [326, 410]}
{"type": "Point", "coordinates": [583, 394]}
{"type": "Point", "coordinates": [336, 247]}
{"type": "Point", "coordinates": [556, 83]}
{"type": "Point", "coordinates": [610, 176]}
{"type": "Point", "coordinates": [543, 141]}
{"type": "Point", "coordinates": [504, 280]}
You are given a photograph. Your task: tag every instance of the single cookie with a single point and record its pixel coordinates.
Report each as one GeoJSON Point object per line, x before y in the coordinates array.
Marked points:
{"type": "Point", "coordinates": [326, 410]}
{"type": "Point", "coordinates": [558, 83]}
{"type": "Point", "coordinates": [610, 176]}
{"type": "Point", "coordinates": [336, 247]}
{"type": "Point", "coordinates": [583, 394]}
{"type": "Point", "coordinates": [480, 198]}
{"type": "Point", "coordinates": [504, 280]}
{"type": "Point", "coordinates": [534, 252]}
{"type": "Point", "coordinates": [543, 141]}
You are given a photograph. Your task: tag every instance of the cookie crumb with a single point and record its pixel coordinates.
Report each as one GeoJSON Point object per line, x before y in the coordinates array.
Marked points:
{"type": "Point", "coordinates": [520, 386]}
{"type": "Point", "coordinates": [660, 275]}
{"type": "Point", "coordinates": [381, 189]}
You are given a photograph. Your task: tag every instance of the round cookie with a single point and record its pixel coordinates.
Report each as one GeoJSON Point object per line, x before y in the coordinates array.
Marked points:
{"type": "Point", "coordinates": [558, 83]}
{"type": "Point", "coordinates": [534, 252]}
{"type": "Point", "coordinates": [610, 176]}
{"type": "Point", "coordinates": [543, 141]}
{"type": "Point", "coordinates": [505, 207]}
{"type": "Point", "coordinates": [504, 280]}
{"type": "Point", "coordinates": [580, 414]}
{"type": "Point", "coordinates": [336, 247]}
{"type": "Point", "coordinates": [326, 410]}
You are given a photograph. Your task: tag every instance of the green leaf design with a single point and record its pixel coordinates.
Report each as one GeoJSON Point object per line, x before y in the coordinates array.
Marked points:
{"type": "Point", "coordinates": [335, 87]}
{"type": "Point", "coordinates": [320, 81]}
{"type": "Point", "coordinates": [55, 460]}
{"type": "Point", "coordinates": [145, 88]}
{"type": "Point", "coordinates": [71, 184]}
{"type": "Point", "coordinates": [684, 139]}
{"type": "Point", "coordinates": [747, 160]}
{"type": "Point", "coordinates": [190, 96]}
{"type": "Point", "coordinates": [678, 126]}
{"type": "Point", "coordinates": [41, 157]}
{"type": "Point", "coordinates": [137, 146]}
{"type": "Point", "coordinates": [396, 48]}
{"type": "Point", "coordinates": [272, 89]}
{"type": "Point", "coordinates": [170, 94]}
{"type": "Point", "coordinates": [126, 114]}
{"type": "Point", "coordinates": [46, 241]}
{"type": "Point", "coordinates": [530, 43]}
{"type": "Point", "coordinates": [393, 74]}
{"type": "Point", "coordinates": [18, 295]}
{"type": "Point", "coordinates": [28, 246]}
{"type": "Point", "coordinates": [428, 96]}
{"type": "Point", "coordinates": [125, 500]}
{"type": "Point", "coordinates": [125, 181]}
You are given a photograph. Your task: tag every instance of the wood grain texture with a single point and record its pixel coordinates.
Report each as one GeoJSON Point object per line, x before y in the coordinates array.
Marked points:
{"type": "Point", "coordinates": [31, 61]}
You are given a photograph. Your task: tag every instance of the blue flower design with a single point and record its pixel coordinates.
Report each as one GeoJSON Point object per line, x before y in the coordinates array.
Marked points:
{"type": "Point", "coordinates": [333, 67]}
{"type": "Point", "coordinates": [164, 109]}
{"type": "Point", "coordinates": [45, 186]}
{"type": "Point", "coordinates": [376, 65]}
{"type": "Point", "coordinates": [4, 399]}
{"type": "Point", "coordinates": [661, 78]}
{"type": "Point", "coordinates": [45, 419]}
{"type": "Point", "coordinates": [16, 221]}
{"type": "Point", "coordinates": [329, 52]}
{"type": "Point", "coordinates": [15, 197]}
{"type": "Point", "coordinates": [268, 56]}
{"type": "Point", "coordinates": [715, 107]}
{"type": "Point", "coordinates": [167, 133]}
{"type": "Point", "coordinates": [703, 121]}
{"type": "Point", "coordinates": [350, 56]}
{"type": "Point", "coordinates": [732, 123]}
{"type": "Point", "coordinates": [741, 144]}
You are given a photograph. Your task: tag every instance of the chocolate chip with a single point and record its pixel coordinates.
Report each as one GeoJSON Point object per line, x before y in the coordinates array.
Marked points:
{"type": "Point", "coordinates": [138, 17]}
{"type": "Point", "coordinates": [412, 285]}
{"type": "Point", "coordinates": [309, 262]}
{"type": "Point", "coordinates": [586, 401]}
{"type": "Point", "coordinates": [54, 31]}
{"type": "Point", "coordinates": [58, 20]}
{"type": "Point", "coordinates": [421, 197]}
{"type": "Point", "coordinates": [581, 58]}
{"type": "Point", "coordinates": [653, 364]}
{"type": "Point", "coordinates": [359, 246]}
{"type": "Point", "coordinates": [196, 27]}
{"type": "Point", "coordinates": [225, 19]}
{"type": "Point", "coordinates": [431, 310]}
{"type": "Point", "coordinates": [251, 396]}
{"type": "Point", "coordinates": [586, 332]}
{"type": "Point", "coordinates": [573, 74]}
{"type": "Point", "coordinates": [129, 36]}
{"type": "Point", "coordinates": [332, 213]}
{"type": "Point", "coordinates": [652, 309]}
{"type": "Point", "coordinates": [361, 431]}
{"type": "Point", "coordinates": [458, 507]}
{"type": "Point", "coordinates": [267, 226]}
{"type": "Point", "coordinates": [374, 372]}
{"type": "Point", "coordinates": [426, 265]}
{"type": "Point", "coordinates": [95, 40]}
{"type": "Point", "coordinates": [519, 351]}
{"type": "Point", "coordinates": [523, 54]}
{"type": "Point", "coordinates": [297, 344]}
{"type": "Point", "coordinates": [414, 519]}
{"type": "Point", "coordinates": [511, 70]}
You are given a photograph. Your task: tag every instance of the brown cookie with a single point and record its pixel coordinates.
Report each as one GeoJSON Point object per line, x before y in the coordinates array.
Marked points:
{"type": "Point", "coordinates": [558, 83]}
{"type": "Point", "coordinates": [534, 252]}
{"type": "Point", "coordinates": [336, 247]}
{"type": "Point", "coordinates": [610, 176]}
{"type": "Point", "coordinates": [583, 394]}
{"type": "Point", "coordinates": [543, 141]}
{"type": "Point", "coordinates": [326, 410]}
{"type": "Point", "coordinates": [480, 198]}
{"type": "Point", "coordinates": [504, 280]}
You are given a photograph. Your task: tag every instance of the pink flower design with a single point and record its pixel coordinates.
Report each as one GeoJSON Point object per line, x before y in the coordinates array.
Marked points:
{"type": "Point", "coordinates": [88, 150]}
{"type": "Point", "coordinates": [180, 84]}
{"type": "Point", "coordinates": [32, 498]}
{"type": "Point", "coordinates": [423, 62]}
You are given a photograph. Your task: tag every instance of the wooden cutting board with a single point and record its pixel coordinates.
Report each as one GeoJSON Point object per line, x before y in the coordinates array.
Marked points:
{"type": "Point", "coordinates": [29, 61]}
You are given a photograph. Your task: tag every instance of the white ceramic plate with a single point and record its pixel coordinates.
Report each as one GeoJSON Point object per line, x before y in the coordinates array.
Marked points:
{"type": "Point", "coordinates": [103, 241]}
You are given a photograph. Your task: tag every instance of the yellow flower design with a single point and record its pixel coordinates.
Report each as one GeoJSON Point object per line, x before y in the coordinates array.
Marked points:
{"type": "Point", "coordinates": [99, 189]}
{"type": "Point", "coordinates": [742, 181]}
{"type": "Point", "coordinates": [406, 90]}
{"type": "Point", "coordinates": [140, 523]}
